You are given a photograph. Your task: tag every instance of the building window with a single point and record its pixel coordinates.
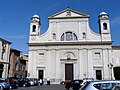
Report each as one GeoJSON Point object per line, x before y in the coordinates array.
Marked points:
{"type": "Point", "coordinates": [41, 56]}
{"type": "Point", "coordinates": [97, 55]}
{"type": "Point", "coordinates": [16, 67]}
{"type": "Point", "coordinates": [3, 45]}
{"type": "Point", "coordinates": [34, 28]}
{"type": "Point", "coordinates": [3, 50]}
{"type": "Point", "coordinates": [68, 36]}
{"type": "Point", "coordinates": [3, 55]}
{"type": "Point", "coordinates": [104, 26]}
{"type": "Point", "coordinates": [68, 13]}
{"type": "Point", "coordinates": [17, 58]}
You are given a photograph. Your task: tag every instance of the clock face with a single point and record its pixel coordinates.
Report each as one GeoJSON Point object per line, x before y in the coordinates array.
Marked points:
{"type": "Point", "coordinates": [106, 36]}
{"type": "Point", "coordinates": [33, 38]}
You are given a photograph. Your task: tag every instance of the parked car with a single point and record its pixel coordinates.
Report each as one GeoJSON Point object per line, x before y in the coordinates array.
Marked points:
{"type": "Point", "coordinates": [116, 87]}
{"type": "Point", "coordinates": [23, 82]}
{"type": "Point", "coordinates": [1, 87]}
{"type": "Point", "coordinates": [40, 81]}
{"type": "Point", "coordinates": [74, 84]}
{"type": "Point", "coordinates": [4, 82]}
{"type": "Point", "coordinates": [13, 82]}
{"type": "Point", "coordinates": [89, 79]}
{"type": "Point", "coordinates": [31, 80]}
{"type": "Point", "coordinates": [36, 82]}
{"type": "Point", "coordinates": [100, 85]}
{"type": "Point", "coordinates": [65, 82]}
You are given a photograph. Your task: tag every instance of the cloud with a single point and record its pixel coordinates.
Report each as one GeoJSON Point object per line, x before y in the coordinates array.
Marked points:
{"type": "Point", "coordinates": [116, 21]}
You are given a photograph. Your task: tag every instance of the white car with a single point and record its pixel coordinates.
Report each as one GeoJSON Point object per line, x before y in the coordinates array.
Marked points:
{"type": "Point", "coordinates": [100, 85]}
{"type": "Point", "coordinates": [1, 87]}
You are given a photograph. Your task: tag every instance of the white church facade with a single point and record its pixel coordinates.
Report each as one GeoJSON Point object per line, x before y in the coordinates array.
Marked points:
{"type": "Point", "coordinates": [69, 49]}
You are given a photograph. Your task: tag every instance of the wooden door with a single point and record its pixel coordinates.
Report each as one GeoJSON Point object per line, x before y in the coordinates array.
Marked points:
{"type": "Point", "coordinates": [40, 74]}
{"type": "Point", "coordinates": [68, 71]}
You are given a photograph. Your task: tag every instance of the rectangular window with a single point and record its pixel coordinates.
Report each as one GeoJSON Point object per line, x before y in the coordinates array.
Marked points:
{"type": "Point", "coordinates": [3, 56]}
{"type": "Point", "coordinates": [41, 53]}
{"type": "Point", "coordinates": [17, 58]}
{"type": "Point", "coordinates": [41, 56]}
{"type": "Point", "coordinates": [97, 55]}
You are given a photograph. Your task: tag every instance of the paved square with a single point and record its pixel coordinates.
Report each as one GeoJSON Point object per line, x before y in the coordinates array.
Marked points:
{"type": "Point", "coordinates": [43, 87]}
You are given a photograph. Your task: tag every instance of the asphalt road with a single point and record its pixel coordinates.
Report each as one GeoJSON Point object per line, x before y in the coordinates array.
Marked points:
{"type": "Point", "coordinates": [43, 87]}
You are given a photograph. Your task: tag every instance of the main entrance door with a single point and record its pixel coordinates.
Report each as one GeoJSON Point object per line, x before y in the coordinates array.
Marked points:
{"type": "Point", "coordinates": [40, 74]}
{"type": "Point", "coordinates": [68, 71]}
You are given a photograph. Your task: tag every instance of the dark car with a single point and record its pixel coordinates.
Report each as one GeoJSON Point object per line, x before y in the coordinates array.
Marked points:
{"type": "Point", "coordinates": [13, 82]}
{"type": "Point", "coordinates": [75, 84]}
{"type": "Point", "coordinates": [4, 82]}
{"type": "Point", "coordinates": [23, 82]}
{"type": "Point", "coordinates": [65, 82]}
{"type": "Point", "coordinates": [36, 82]}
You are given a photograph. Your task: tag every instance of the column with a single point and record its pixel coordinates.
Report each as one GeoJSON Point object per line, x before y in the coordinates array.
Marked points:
{"type": "Point", "coordinates": [30, 63]}
{"type": "Point", "coordinates": [85, 63]}
{"type": "Point", "coordinates": [106, 71]}
{"type": "Point", "coordinates": [53, 64]}
{"type": "Point", "coordinates": [90, 64]}
{"type": "Point", "coordinates": [48, 64]}
{"type": "Point", "coordinates": [79, 31]}
{"type": "Point", "coordinates": [111, 63]}
{"type": "Point", "coordinates": [34, 63]}
{"type": "Point", "coordinates": [81, 64]}
{"type": "Point", "coordinates": [58, 75]}
{"type": "Point", "coordinates": [76, 70]}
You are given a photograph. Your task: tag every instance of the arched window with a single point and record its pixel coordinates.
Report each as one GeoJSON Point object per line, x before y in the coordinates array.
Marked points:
{"type": "Point", "coordinates": [34, 28]}
{"type": "Point", "coordinates": [104, 26]}
{"type": "Point", "coordinates": [68, 36]}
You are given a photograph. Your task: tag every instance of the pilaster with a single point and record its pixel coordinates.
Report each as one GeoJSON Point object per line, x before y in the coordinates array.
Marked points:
{"type": "Point", "coordinates": [106, 71]}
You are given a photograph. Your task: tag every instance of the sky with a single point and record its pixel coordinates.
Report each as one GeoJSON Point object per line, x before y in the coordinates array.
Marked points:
{"type": "Point", "coordinates": [15, 16]}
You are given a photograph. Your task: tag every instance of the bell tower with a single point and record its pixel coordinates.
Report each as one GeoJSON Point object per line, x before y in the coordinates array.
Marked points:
{"type": "Point", "coordinates": [104, 26]}
{"type": "Point", "coordinates": [34, 27]}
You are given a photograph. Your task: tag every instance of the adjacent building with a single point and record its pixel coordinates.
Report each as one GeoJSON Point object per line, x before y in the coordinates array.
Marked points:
{"type": "Point", "coordinates": [115, 65]}
{"type": "Point", "coordinates": [23, 65]}
{"type": "Point", "coordinates": [18, 64]}
{"type": "Point", "coordinates": [69, 49]}
{"type": "Point", "coordinates": [4, 57]}
{"type": "Point", "coordinates": [14, 60]}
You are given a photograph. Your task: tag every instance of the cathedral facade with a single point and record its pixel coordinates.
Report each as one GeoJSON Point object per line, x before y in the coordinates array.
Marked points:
{"type": "Point", "coordinates": [69, 49]}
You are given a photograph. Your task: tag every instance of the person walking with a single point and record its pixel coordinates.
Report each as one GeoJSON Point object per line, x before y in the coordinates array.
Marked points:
{"type": "Point", "coordinates": [48, 81]}
{"type": "Point", "coordinates": [41, 82]}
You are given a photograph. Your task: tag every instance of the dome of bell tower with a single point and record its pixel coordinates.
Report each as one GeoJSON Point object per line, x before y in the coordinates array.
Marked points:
{"type": "Point", "coordinates": [35, 16]}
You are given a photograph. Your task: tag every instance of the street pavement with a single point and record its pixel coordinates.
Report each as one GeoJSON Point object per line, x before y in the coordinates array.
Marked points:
{"type": "Point", "coordinates": [43, 87]}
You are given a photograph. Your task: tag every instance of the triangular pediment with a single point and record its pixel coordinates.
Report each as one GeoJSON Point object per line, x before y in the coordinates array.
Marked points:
{"type": "Point", "coordinates": [68, 13]}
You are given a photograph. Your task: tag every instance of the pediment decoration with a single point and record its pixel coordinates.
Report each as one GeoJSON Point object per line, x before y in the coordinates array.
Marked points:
{"type": "Point", "coordinates": [68, 13]}
{"type": "Point", "coordinates": [68, 57]}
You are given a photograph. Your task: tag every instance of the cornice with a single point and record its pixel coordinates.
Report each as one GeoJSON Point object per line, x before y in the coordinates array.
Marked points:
{"type": "Point", "coordinates": [69, 43]}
